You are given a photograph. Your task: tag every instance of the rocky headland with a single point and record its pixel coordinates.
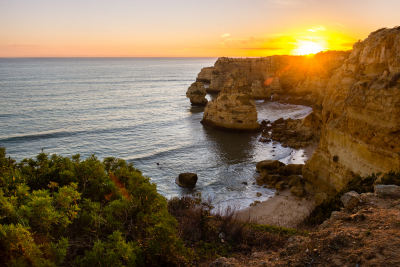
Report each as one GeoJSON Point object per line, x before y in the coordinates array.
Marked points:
{"type": "Point", "coordinates": [277, 74]}
{"type": "Point", "coordinates": [355, 97]}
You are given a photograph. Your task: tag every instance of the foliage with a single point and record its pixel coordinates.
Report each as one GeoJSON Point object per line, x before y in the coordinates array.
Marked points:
{"type": "Point", "coordinates": [391, 178]}
{"type": "Point", "coordinates": [68, 211]}
{"type": "Point", "coordinates": [218, 232]}
{"type": "Point", "coordinates": [57, 210]}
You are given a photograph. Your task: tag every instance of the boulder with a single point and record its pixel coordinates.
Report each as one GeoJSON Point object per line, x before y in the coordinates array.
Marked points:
{"type": "Point", "coordinates": [298, 191]}
{"type": "Point", "coordinates": [350, 200]}
{"type": "Point", "coordinates": [392, 191]}
{"type": "Point", "coordinates": [295, 180]}
{"type": "Point", "coordinates": [269, 166]}
{"type": "Point", "coordinates": [225, 262]}
{"type": "Point", "coordinates": [264, 140]}
{"type": "Point", "coordinates": [292, 169]}
{"type": "Point", "coordinates": [335, 215]}
{"type": "Point", "coordinates": [281, 185]}
{"type": "Point", "coordinates": [274, 178]}
{"type": "Point", "coordinates": [187, 180]}
{"type": "Point", "coordinates": [279, 121]}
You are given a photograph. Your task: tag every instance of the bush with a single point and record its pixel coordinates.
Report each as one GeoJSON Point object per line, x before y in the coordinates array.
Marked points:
{"type": "Point", "coordinates": [391, 178]}
{"type": "Point", "coordinates": [83, 212]}
{"type": "Point", "coordinates": [214, 233]}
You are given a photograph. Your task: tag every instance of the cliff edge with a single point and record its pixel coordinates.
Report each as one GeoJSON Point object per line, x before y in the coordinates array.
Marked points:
{"type": "Point", "coordinates": [361, 114]}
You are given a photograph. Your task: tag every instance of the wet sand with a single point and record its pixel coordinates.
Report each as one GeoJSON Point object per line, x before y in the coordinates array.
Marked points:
{"type": "Point", "coordinates": [300, 156]}
{"type": "Point", "coordinates": [282, 209]}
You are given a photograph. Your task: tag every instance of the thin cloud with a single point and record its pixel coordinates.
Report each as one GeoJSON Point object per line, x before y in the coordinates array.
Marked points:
{"type": "Point", "coordinates": [225, 35]}
{"type": "Point", "coordinates": [339, 24]}
{"type": "Point", "coordinates": [285, 3]}
{"type": "Point", "coordinates": [316, 29]}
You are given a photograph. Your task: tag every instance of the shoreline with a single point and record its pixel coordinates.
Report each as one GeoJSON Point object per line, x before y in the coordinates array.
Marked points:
{"type": "Point", "coordinates": [300, 155]}
{"type": "Point", "coordinates": [283, 209]}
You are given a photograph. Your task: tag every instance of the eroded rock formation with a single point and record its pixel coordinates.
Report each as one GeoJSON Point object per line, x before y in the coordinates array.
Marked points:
{"type": "Point", "coordinates": [197, 92]}
{"type": "Point", "coordinates": [278, 73]}
{"type": "Point", "coordinates": [361, 114]}
{"type": "Point", "coordinates": [205, 75]}
{"type": "Point", "coordinates": [234, 109]}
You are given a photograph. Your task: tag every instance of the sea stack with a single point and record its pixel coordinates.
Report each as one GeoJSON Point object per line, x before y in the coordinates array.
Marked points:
{"type": "Point", "coordinates": [197, 92]}
{"type": "Point", "coordinates": [234, 109]}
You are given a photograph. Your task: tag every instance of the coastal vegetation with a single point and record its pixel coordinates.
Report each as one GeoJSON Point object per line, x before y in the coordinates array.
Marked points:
{"type": "Point", "coordinates": [61, 211]}
{"type": "Point", "coordinates": [57, 210]}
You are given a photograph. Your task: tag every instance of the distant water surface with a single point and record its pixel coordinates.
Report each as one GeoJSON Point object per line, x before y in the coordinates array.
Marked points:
{"type": "Point", "coordinates": [135, 109]}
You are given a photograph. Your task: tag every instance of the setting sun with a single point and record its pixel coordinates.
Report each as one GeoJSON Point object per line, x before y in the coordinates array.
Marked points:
{"type": "Point", "coordinates": [308, 47]}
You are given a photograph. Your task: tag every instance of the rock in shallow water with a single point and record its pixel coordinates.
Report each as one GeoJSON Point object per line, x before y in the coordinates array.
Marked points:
{"type": "Point", "coordinates": [187, 180]}
{"type": "Point", "coordinates": [270, 166]}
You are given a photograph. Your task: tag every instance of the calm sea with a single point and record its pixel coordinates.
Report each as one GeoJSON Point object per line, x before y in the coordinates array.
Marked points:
{"type": "Point", "coordinates": [135, 109]}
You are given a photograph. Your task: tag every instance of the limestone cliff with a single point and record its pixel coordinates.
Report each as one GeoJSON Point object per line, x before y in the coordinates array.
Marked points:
{"type": "Point", "coordinates": [278, 73]}
{"type": "Point", "coordinates": [317, 77]}
{"type": "Point", "coordinates": [205, 75]}
{"type": "Point", "coordinates": [260, 91]}
{"type": "Point", "coordinates": [361, 114]}
{"type": "Point", "coordinates": [234, 109]}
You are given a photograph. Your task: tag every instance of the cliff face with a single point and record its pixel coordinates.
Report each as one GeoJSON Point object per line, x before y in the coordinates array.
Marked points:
{"type": "Point", "coordinates": [205, 75]}
{"type": "Point", "coordinates": [361, 114]}
{"type": "Point", "coordinates": [234, 109]}
{"type": "Point", "coordinates": [278, 73]}
{"type": "Point", "coordinates": [318, 76]}
{"type": "Point", "coordinates": [260, 91]}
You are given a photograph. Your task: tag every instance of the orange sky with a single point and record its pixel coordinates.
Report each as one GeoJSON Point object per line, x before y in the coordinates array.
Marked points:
{"type": "Point", "coordinates": [235, 28]}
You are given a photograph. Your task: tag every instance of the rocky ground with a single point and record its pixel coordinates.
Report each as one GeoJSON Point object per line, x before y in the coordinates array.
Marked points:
{"type": "Point", "coordinates": [364, 233]}
{"type": "Point", "coordinates": [289, 132]}
{"type": "Point", "coordinates": [275, 174]}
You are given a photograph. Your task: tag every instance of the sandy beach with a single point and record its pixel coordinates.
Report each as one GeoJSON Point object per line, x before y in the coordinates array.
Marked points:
{"type": "Point", "coordinates": [283, 209]}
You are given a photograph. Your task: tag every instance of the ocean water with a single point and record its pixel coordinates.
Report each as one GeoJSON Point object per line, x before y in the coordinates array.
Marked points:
{"type": "Point", "coordinates": [135, 109]}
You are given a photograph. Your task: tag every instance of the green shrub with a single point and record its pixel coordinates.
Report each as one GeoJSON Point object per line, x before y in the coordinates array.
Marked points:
{"type": "Point", "coordinates": [58, 210]}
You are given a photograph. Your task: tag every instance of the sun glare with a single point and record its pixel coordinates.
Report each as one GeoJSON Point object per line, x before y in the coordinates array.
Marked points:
{"type": "Point", "coordinates": [308, 47]}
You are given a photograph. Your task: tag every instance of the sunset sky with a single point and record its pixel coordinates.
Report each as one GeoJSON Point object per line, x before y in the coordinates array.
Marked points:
{"type": "Point", "coordinates": [212, 28]}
